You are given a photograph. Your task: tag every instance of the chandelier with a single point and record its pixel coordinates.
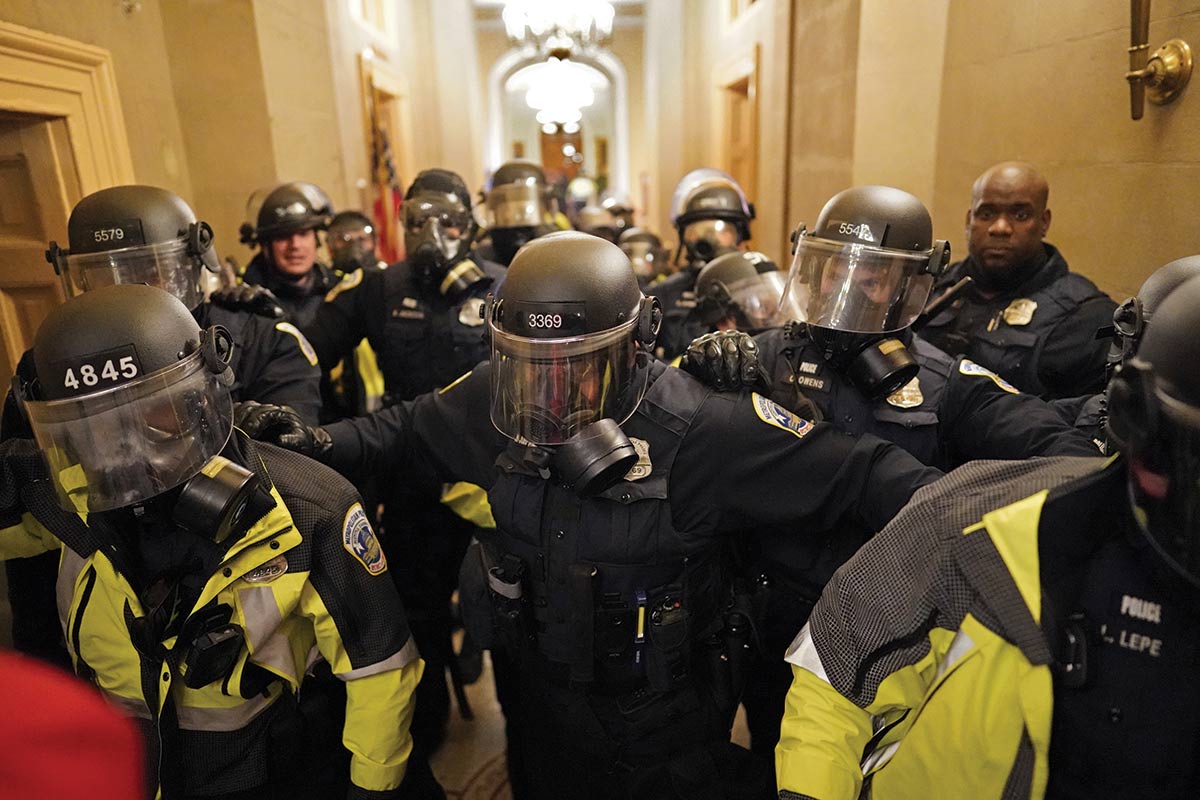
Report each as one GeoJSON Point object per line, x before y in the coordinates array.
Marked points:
{"type": "Point", "coordinates": [558, 27]}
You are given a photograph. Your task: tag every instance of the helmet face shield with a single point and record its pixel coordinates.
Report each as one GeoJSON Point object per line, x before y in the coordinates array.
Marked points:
{"type": "Point", "coordinates": [708, 238]}
{"type": "Point", "coordinates": [120, 446]}
{"type": "Point", "coordinates": [698, 179]}
{"type": "Point", "coordinates": [544, 391]}
{"type": "Point", "coordinates": [169, 266]}
{"type": "Point", "coordinates": [757, 299]}
{"type": "Point", "coordinates": [437, 227]}
{"type": "Point", "coordinates": [647, 259]}
{"type": "Point", "coordinates": [517, 205]}
{"type": "Point", "coordinates": [855, 287]}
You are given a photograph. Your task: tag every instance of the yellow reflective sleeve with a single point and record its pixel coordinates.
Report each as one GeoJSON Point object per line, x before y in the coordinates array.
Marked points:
{"type": "Point", "coordinates": [379, 710]}
{"type": "Point", "coordinates": [469, 502]}
{"type": "Point", "coordinates": [27, 538]}
{"type": "Point", "coordinates": [820, 741]}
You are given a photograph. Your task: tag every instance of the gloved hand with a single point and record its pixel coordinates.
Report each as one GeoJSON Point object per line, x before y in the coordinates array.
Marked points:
{"type": "Point", "coordinates": [726, 361]}
{"type": "Point", "coordinates": [281, 425]}
{"type": "Point", "coordinates": [248, 297]}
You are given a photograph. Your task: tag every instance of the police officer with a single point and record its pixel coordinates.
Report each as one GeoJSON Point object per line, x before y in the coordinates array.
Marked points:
{"type": "Point", "coordinates": [645, 251]}
{"type": "Point", "coordinates": [285, 231]}
{"type": "Point", "coordinates": [740, 291]}
{"type": "Point", "coordinates": [598, 221]}
{"type": "Point", "coordinates": [423, 318]}
{"type": "Point", "coordinates": [1025, 317]}
{"type": "Point", "coordinates": [351, 240]}
{"type": "Point", "coordinates": [199, 571]}
{"type": "Point", "coordinates": [1089, 413]}
{"type": "Point", "coordinates": [520, 207]}
{"type": "Point", "coordinates": [712, 217]}
{"type": "Point", "coordinates": [857, 282]}
{"type": "Point", "coordinates": [606, 574]}
{"type": "Point", "coordinates": [144, 234]}
{"type": "Point", "coordinates": [1026, 629]}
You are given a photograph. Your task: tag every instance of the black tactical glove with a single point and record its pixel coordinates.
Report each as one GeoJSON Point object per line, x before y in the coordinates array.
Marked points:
{"type": "Point", "coordinates": [248, 297]}
{"type": "Point", "coordinates": [281, 425]}
{"type": "Point", "coordinates": [726, 361]}
{"type": "Point", "coordinates": [20, 464]}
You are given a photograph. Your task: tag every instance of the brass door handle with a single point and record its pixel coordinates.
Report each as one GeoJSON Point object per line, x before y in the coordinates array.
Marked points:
{"type": "Point", "coordinates": [1161, 76]}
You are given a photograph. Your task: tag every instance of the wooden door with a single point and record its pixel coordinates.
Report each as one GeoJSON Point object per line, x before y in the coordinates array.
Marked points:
{"type": "Point", "coordinates": [38, 186]}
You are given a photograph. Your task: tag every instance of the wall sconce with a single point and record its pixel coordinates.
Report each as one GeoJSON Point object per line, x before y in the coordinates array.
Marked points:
{"type": "Point", "coordinates": [1159, 77]}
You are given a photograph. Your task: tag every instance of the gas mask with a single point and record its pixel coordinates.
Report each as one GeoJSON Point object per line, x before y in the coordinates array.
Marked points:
{"type": "Point", "coordinates": [876, 365]}
{"type": "Point", "coordinates": [708, 238]}
{"type": "Point", "coordinates": [438, 230]}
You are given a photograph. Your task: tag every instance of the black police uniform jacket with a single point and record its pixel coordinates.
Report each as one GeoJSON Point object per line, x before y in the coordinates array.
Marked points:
{"type": "Point", "coordinates": [1040, 336]}
{"type": "Point", "coordinates": [650, 546]}
{"type": "Point", "coordinates": [681, 324]}
{"type": "Point", "coordinates": [307, 578]}
{"type": "Point", "coordinates": [422, 338]}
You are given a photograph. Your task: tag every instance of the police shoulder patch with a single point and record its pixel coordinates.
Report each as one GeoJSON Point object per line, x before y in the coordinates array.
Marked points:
{"type": "Point", "coordinates": [969, 367]}
{"type": "Point", "coordinates": [360, 541]}
{"type": "Point", "coordinates": [774, 414]}
{"type": "Point", "coordinates": [349, 281]}
{"type": "Point", "coordinates": [305, 346]}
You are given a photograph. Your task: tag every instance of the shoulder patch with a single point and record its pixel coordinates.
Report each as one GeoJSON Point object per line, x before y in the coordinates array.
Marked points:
{"type": "Point", "coordinates": [351, 280]}
{"type": "Point", "coordinates": [305, 346]}
{"type": "Point", "coordinates": [360, 542]}
{"type": "Point", "coordinates": [969, 367]}
{"type": "Point", "coordinates": [778, 416]}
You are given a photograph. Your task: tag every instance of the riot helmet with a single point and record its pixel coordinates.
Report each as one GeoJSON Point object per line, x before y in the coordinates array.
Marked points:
{"type": "Point", "coordinates": [1154, 417]}
{"type": "Point", "coordinates": [711, 214]}
{"type": "Point", "coordinates": [135, 234]}
{"type": "Point", "coordinates": [570, 336]}
{"type": "Point", "coordinates": [645, 252]}
{"type": "Point", "coordinates": [617, 204]}
{"type": "Point", "coordinates": [597, 221]}
{"type": "Point", "coordinates": [744, 286]}
{"type": "Point", "coordinates": [1131, 318]}
{"type": "Point", "coordinates": [131, 399]}
{"type": "Point", "coordinates": [519, 207]}
{"type": "Point", "coordinates": [438, 224]}
{"type": "Point", "coordinates": [351, 241]}
{"type": "Point", "coordinates": [284, 210]}
{"type": "Point", "coordinates": [865, 271]}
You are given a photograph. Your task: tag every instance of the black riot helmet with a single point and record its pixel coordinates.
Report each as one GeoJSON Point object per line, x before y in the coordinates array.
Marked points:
{"type": "Point", "coordinates": [351, 241]}
{"type": "Point", "coordinates": [1131, 318]}
{"type": "Point", "coordinates": [135, 234]}
{"type": "Point", "coordinates": [598, 221]}
{"type": "Point", "coordinates": [1154, 417]}
{"type": "Point", "coordinates": [438, 225]}
{"type": "Point", "coordinates": [132, 397]}
{"type": "Point", "coordinates": [744, 286]}
{"type": "Point", "coordinates": [864, 272]}
{"type": "Point", "coordinates": [284, 210]}
{"type": "Point", "coordinates": [570, 332]}
{"type": "Point", "coordinates": [711, 214]}
{"type": "Point", "coordinates": [646, 253]}
{"type": "Point", "coordinates": [519, 207]}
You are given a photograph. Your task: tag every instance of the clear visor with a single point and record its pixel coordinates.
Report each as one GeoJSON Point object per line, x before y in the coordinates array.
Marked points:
{"type": "Point", "coordinates": [855, 287]}
{"type": "Point", "coordinates": [647, 259]}
{"type": "Point", "coordinates": [758, 299]}
{"type": "Point", "coordinates": [708, 238]}
{"type": "Point", "coordinates": [516, 205]}
{"type": "Point", "coordinates": [545, 391]}
{"type": "Point", "coordinates": [446, 211]}
{"type": "Point", "coordinates": [125, 445]}
{"type": "Point", "coordinates": [168, 266]}
{"type": "Point", "coordinates": [695, 180]}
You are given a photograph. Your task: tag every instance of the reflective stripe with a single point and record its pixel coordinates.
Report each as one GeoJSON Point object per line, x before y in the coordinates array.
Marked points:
{"type": "Point", "coordinates": [129, 706]}
{"type": "Point", "coordinates": [69, 567]}
{"type": "Point", "coordinates": [404, 657]}
{"type": "Point", "coordinates": [803, 653]}
{"type": "Point", "coordinates": [223, 719]}
{"type": "Point", "coordinates": [268, 646]}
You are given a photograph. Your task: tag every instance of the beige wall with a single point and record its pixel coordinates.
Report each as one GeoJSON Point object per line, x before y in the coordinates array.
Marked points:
{"type": "Point", "coordinates": [900, 52]}
{"type": "Point", "coordinates": [142, 70]}
{"type": "Point", "coordinates": [1043, 82]}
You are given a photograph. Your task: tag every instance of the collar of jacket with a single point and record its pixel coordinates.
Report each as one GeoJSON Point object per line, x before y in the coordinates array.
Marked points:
{"type": "Point", "coordinates": [1054, 268]}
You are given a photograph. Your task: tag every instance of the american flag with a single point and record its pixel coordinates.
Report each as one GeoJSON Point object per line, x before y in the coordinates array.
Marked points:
{"type": "Point", "coordinates": [388, 195]}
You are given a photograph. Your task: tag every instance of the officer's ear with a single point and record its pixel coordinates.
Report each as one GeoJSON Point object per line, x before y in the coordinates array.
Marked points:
{"type": "Point", "coordinates": [1132, 411]}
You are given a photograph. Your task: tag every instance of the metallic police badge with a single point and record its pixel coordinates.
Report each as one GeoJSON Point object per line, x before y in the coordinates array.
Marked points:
{"type": "Point", "coordinates": [779, 417]}
{"type": "Point", "coordinates": [1020, 311]}
{"type": "Point", "coordinates": [643, 467]}
{"type": "Point", "coordinates": [907, 396]}
{"type": "Point", "coordinates": [471, 313]}
{"type": "Point", "coordinates": [268, 571]}
{"type": "Point", "coordinates": [360, 542]}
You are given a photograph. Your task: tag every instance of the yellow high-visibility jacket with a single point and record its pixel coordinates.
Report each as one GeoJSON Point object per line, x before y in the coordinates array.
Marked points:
{"type": "Point", "coordinates": [923, 671]}
{"type": "Point", "coordinates": [307, 581]}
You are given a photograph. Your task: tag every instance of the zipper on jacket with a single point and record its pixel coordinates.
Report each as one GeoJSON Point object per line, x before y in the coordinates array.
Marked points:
{"type": "Point", "coordinates": [82, 669]}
